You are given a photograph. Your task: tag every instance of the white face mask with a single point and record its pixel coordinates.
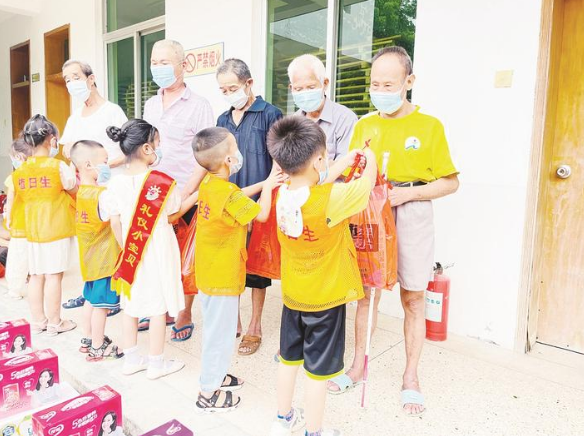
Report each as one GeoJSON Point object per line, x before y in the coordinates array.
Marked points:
{"type": "Point", "coordinates": [78, 89]}
{"type": "Point", "coordinates": [237, 99]}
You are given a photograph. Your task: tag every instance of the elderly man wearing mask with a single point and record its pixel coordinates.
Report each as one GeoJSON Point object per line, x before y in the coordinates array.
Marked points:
{"type": "Point", "coordinates": [309, 84]}
{"type": "Point", "coordinates": [249, 118]}
{"type": "Point", "coordinates": [89, 121]}
{"type": "Point", "coordinates": [421, 170]}
{"type": "Point", "coordinates": [178, 114]}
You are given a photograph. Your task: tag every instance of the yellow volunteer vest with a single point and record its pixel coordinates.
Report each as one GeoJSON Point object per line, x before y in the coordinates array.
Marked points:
{"type": "Point", "coordinates": [98, 248]}
{"type": "Point", "coordinates": [17, 222]}
{"type": "Point", "coordinates": [220, 242]}
{"type": "Point", "coordinates": [319, 268]}
{"type": "Point", "coordinates": [48, 209]}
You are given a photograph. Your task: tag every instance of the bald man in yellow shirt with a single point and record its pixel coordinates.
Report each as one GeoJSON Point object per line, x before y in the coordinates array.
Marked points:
{"type": "Point", "coordinates": [420, 169]}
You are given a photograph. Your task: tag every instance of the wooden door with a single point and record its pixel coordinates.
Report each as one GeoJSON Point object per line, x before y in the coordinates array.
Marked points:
{"type": "Point", "coordinates": [560, 320]}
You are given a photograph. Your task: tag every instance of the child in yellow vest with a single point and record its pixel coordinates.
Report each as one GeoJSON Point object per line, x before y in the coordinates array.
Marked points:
{"type": "Point", "coordinates": [42, 183]}
{"type": "Point", "coordinates": [142, 204]}
{"type": "Point", "coordinates": [17, 261]}
{"type": "Point", "coordinates": [319, 267]}
{"type": "Point", "coordinates": [98, 248]}
{"type": "Point", "coordinates": [224, 213]}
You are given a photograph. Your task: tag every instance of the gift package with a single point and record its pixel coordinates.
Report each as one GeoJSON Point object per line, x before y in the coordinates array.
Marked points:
{"type": "Point", "coordinates": [28, 381]}
{"type": "Point", "coordinates": [173, 428]}
{"type": "Point", "coordinates": [94, 413]}
{"type": "Point", "coordinates": [14, 338]}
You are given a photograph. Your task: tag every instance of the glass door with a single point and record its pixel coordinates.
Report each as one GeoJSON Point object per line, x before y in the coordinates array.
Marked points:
{"type": "Point", "coordinates": [149, 88]}
{"type": "Point", "coordinates": [295, 27]}
{"type": "Point", "coordinates": [121, 76]}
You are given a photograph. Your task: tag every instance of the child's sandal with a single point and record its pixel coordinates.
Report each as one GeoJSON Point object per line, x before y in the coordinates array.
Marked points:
{"type": "Point", "coordinates": [209, 405]}
{"type": "Point", "coordinates": [101, 353]}
{"type": "Point", "coordinates": [85, 345]}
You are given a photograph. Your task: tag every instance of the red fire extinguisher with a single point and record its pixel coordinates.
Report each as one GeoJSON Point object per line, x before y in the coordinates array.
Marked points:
{"type": "Point", "coordinates": [437, 302]}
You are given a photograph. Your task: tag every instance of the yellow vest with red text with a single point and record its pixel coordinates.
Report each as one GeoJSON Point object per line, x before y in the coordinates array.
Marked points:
{"type": "Point", "coordinates": [319, 268]}
{"type": "Point", "coordinates": [220, 241]}
{"type": "Point", "coordinates": [48, 210]}
{"type": "Point", "coordinates": [17, 225]}
{"type": "Point", "coordinates": [98, 248]}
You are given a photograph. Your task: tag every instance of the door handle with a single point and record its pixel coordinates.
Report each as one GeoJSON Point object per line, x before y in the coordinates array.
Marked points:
{"type": "Point", "coordinates": [564, 171]}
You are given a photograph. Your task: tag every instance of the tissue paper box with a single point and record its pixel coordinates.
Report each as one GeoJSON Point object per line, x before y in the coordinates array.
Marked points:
{"type": "Point", "coordinates": [28, 381]}
{"type": "Point", "coordinates": [86, 415]}
{"type": "Point", "coordinates": [173, 428]}
{"type": "Point", "coordinates": [14, 338]}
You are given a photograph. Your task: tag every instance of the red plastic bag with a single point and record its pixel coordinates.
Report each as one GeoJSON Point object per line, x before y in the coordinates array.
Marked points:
{"type": "Point", "coordinates": [186, 243]}
{"type": "Point", "coordinates": [374, 235]}
{"type": "Point", "coordinates": [263, 251]}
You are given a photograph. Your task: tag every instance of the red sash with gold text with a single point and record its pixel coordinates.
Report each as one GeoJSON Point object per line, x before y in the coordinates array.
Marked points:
{"type": "Point", "coordinates": [148, 209]}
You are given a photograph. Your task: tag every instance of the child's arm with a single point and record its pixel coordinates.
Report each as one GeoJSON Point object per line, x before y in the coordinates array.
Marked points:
{"type": "Point", "coordinates": [252, 190]}
{"type": "Point", "coordinates": [8, 206]}
{"type": "Point", "coordinates": [116, 224]}
{"type": "Point", "coordinates": [275, 179]}
{"type": "Point", "coordinates": [186, 205]}
{"type": "Point", "coordinates": [370, 170]}
{"type": "Point", "coordinates": [342, 164]}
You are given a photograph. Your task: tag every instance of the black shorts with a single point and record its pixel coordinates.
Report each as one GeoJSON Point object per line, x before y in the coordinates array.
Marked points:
{"type": "Point", "coordinates": [253, 281]}
{"type": "Point", "coordinates": [316, 339]}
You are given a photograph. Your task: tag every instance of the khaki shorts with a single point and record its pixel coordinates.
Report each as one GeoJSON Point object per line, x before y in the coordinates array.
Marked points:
{"type": "Point", "coordinates": [414, 224]}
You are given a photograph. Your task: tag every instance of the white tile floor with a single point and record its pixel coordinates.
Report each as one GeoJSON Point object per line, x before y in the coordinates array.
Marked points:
{"type": "Point", "coordinates": [471, 388]}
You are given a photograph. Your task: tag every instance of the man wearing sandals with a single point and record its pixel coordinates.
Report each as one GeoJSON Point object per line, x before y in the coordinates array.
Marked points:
{"type": "Point", "coordinates": [421, 170]}
{"type": "Point", "coordinates": [178, 114]}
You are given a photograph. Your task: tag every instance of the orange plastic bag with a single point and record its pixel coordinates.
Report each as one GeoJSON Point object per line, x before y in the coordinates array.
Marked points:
{"type": "Point", "coordinates": [186, 243]}
{"type": "Point", "coordinates": [263, 251]}
{"type": "Point", "coordinates": [374, 235]}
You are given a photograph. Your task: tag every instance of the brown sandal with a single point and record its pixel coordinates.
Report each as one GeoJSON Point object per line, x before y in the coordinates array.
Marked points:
{"type": "Point", "coordinates": [251, 342]}
{"type": "Point", "coordinates": [66, 325]}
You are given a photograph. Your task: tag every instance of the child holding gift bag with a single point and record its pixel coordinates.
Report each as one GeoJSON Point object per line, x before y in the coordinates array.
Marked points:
{"type": "Point", "coordinates": [319, 267]}
{"type": "Point", "coordinates": [224, 213]}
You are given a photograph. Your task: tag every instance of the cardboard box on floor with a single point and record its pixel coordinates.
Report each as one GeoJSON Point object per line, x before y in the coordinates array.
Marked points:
{"type": "Point", "coordinates": [15, 338]}
{"type": "Point", "coordinates": [28, 381]}
{"type": "Point", "coordinates": [173, 428]}
{"type": "Point", "coordinates": [86, 415]}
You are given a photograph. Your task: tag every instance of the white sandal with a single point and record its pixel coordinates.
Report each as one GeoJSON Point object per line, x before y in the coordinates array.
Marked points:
{"type": "Point", "coordinates": [66, 325]}
{"type": "Point", "coordinates": [38, 327]}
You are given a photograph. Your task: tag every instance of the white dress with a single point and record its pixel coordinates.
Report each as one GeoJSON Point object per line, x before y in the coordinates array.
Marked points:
{"type": "Point", "coordinates": [157, 287]}
{"type": "Point", "coordinates": [56, 256]}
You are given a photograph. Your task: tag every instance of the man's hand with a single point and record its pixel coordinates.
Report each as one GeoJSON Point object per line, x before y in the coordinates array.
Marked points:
{"type": "Point", "coordinates": [399, 196]}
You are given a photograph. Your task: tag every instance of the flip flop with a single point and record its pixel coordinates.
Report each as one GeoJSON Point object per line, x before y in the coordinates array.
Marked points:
{"type": "Point", "coordinates": [344, 382]}
{"type": "Point", "coordinates": [409, 396]}
{"type": "Point", "coordinates": [74, 303]}
{"type": "Point", "coordinates": [190, 327]}
{"type": "Point", "coordinates": [249, 341]}
{"type": "Point", "coordinates": [146, 324]}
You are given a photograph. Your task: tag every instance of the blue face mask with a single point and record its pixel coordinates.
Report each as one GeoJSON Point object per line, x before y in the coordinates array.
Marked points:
{"type": "Point", "coordinates": [387, 102]}
{"type": "Point", "coordinates": [234, 168]}
{"type": "Point", "coordinates": [163, 75]}
{"type": "Point", "coordinates": [158, 154]}
{"type": "Point", "coordinates": [308, 101]}
{"type": "Point", "coordinates": [54, 152]}
{"type": "Point", "coordinates": [16, 163]}
{"type": "Point", "coordinates": [104, 173]}
{"type": "Point", "coordinates": [323, 175]}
